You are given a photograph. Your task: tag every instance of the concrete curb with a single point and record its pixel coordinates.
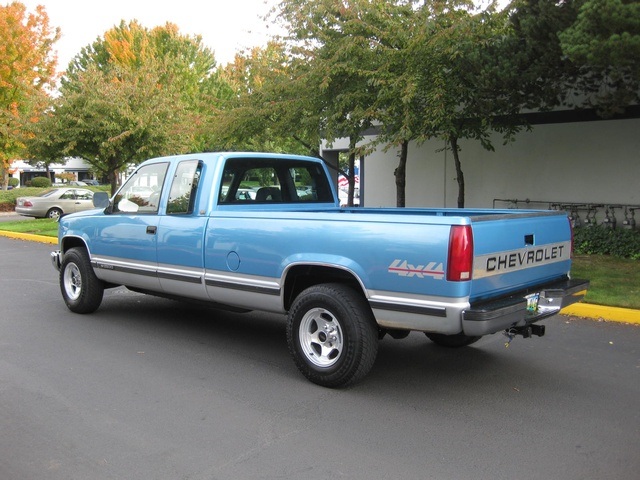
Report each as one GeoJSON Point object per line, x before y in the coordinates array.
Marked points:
{"type": "Point", "coordinates": [601, 312]}
{"type": "Point", "coordinates": [585, 310]}
{"type": "Point", "coordinates": [29, 236]}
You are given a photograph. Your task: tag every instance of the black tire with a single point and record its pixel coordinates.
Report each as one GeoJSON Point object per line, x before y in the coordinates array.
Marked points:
{"type": "Point", "coordinates": [81, 290]}
{"type": "Point", "coordinates": [332, 335]}
{"type": "Point", "coordinates": [452, 341]}
{"type": "Point", "coordinates": [54, 213]}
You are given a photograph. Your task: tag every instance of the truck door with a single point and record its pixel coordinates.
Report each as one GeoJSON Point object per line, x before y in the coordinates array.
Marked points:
{"type": "Point", "coordinates": [124, 246]}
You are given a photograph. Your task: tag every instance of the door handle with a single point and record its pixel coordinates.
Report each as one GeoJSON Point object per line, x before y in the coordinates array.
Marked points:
{"type": "Point", "coordinates": [152, 229]}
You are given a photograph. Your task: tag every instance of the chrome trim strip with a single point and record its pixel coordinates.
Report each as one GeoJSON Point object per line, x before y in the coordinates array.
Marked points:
{"type": "Point", "coordinates": [414, 309]}
{"type": "Point", "coordinates": [242, 283]}
{"type": "Point", "coordinates": [133, 268]}
{"type": "Point", "coordinates": [179, 275]}
{"type": "Point", "coordinates": [244, 288]}
{"type": "Point", "coordinates": [137, 270]}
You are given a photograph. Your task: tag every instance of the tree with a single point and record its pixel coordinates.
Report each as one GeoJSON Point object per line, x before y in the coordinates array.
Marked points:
{"type": "Point", "coordinates": [454, 84]}
{"type": "Point", "coordinates": [137, 93]}
{"type": "Point", "coordinates": [121, 117]}
{"type": "Point", "coordinates": [604, 43]}
{"type": "Point", "coordinates": [267, 110]}
{"type": "Point", "coordinates": [334, 44]}
{"type": "Point", "coordinates": [27, 75]}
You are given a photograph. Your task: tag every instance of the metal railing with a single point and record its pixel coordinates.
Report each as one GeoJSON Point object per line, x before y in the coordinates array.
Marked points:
{"type": "Point", "coordinates": [581, 214]}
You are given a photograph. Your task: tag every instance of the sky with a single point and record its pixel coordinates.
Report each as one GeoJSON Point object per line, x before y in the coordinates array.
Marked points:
{"type": "Point", "coordinates": [226, 26]}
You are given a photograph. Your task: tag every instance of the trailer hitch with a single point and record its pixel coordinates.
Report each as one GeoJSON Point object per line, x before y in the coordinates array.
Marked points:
{"type": "Point", "coordinates": [527, 331]}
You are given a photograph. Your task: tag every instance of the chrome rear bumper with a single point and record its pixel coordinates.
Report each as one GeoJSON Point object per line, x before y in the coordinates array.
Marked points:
{"type": "Point", "coordinates": [495, 315]}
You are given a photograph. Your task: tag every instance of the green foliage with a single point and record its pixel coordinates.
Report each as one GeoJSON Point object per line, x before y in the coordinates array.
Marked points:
{"type": "Point", "coordinates": [604, 41]}
{"type": "Point", "coordinates": [14, 182]}
{"type": "Point", "coordinates": [27, 74]}
{"type": "Point", "coordinates": [606, 241]}
{"type": "Point", "coordinates": [133, 94]}
{"type": "Point", "coordinates": [40, 182]}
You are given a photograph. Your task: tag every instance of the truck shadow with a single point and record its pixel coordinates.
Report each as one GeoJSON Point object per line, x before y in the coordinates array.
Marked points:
{"type": "Point", "coordinates": [413, 365]}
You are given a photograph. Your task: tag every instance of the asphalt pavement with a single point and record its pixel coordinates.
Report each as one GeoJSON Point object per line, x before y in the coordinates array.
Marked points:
{"type": "Point", "coordinates": [148, 388]}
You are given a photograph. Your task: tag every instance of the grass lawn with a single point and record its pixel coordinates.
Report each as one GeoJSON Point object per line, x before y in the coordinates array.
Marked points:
{"type": "Point", "coordinates": [37, 226]}
{"type": "Point", "coordinates": [615, 281]}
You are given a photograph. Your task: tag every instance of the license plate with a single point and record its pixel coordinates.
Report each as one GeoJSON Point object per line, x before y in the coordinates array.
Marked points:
{"type": "Point", "coordinates": [532, 302]}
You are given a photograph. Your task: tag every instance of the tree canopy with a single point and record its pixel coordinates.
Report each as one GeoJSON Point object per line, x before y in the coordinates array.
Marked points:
{"type": "Point", "coordinates": [27, 75]}
{"type": "Point", "coordinates": [415, 70]}
{"type": "Point", "coordinates": [136, 93]}
{"type": "Point", "coordinates": [604, 42]}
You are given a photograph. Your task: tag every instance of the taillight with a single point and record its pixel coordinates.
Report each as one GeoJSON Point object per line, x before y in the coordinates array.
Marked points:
{"type": "Point", "coordinates": [27, 203]}
{"type": "Point", "coordinates": [460, 264]}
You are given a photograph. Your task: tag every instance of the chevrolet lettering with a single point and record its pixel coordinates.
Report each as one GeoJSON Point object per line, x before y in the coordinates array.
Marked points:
{"type": "Point", "coordinates": [520, 259]}
{"type": "Point", "coordinates": [260, 231]}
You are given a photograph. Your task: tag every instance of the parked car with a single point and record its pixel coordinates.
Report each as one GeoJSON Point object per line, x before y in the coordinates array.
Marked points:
{"type": "Point", "coordinates": [90, 181]}
{"type": "Point", "coordinates": [77, 184]}
{"type": "Point", "coordinates": [55, 202]}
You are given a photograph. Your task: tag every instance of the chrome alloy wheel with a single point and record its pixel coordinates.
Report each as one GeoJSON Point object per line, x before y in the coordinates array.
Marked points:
{"type": "Point", "coordinates": [72, 281]}
{"type": "Point", "coordinates": [321, 337]}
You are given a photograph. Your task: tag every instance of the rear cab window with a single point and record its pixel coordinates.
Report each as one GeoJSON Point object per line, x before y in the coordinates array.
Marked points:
{"type": "Point", "coordinates": [267, 181]}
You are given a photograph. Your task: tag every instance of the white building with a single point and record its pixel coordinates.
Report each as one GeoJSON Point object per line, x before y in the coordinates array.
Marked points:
{"type": "Point", "coordinates": [568, 157]}
{"type": "Point", "coordinates": [26, 172]}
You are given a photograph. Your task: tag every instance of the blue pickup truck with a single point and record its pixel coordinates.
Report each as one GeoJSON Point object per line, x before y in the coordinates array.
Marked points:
{"type": "Point", "coordinates": [255, 231]}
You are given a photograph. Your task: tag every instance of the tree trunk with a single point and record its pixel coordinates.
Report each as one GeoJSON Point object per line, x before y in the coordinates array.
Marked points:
{"type": "Point", "coordinates": [112, 176]}
{"type": "Point", "coordinates": [453, 140]}
{"type": "Point", "coordinates": [401, 175]}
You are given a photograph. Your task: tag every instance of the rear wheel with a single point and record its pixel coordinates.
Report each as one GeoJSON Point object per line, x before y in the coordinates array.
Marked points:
{"type": "Point", "coordinates": [332, 335]}
{"type": "Point", "coordinates": [54, 213]}
{"type": "Point", "coordinates": [81, 290]}
{"type": "Point", "coordinates": [452, 341]}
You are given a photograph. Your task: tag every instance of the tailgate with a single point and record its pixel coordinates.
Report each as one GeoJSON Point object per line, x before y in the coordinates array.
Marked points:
{"type": "Point", "coordinates": [514, 251]}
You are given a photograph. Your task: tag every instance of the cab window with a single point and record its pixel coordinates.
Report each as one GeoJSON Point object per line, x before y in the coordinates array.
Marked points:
{"type": "Point", "coordinates": [184, 186]}
{"type": "Point", "coordinates": [264, 181]}
{"type": "Point", "coordinates": [141, 192]}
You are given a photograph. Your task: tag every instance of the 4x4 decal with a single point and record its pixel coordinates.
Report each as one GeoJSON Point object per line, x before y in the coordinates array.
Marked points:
{"type": "Point", "coordinates": [405, 269]}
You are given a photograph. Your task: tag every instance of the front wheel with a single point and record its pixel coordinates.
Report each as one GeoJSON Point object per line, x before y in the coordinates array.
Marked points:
{"type": "Point", "coordinates": [81, 290]}
{"type": "Point", "coordinates": [332, 335]}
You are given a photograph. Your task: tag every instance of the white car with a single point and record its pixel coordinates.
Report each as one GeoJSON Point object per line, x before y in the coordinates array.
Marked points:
{"type": "Point", "coordinates": [55, 202]}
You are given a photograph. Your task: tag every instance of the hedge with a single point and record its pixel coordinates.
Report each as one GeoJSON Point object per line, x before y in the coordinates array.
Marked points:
{"type": "Point", "coordinates": [624, 243]}
{"type": "Point", "coordinates": [40, 182]}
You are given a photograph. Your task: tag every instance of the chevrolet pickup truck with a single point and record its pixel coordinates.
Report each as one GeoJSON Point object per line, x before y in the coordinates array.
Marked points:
{"type": "Point", "coordinates": [257, 231]}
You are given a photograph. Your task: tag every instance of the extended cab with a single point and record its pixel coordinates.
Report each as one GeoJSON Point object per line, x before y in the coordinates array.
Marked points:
{"type": "Point", "coordinates": [254, 231]}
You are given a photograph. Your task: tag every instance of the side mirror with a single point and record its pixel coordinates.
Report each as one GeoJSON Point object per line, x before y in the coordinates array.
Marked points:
{"type": "Point", "coordinates": [101, 199]}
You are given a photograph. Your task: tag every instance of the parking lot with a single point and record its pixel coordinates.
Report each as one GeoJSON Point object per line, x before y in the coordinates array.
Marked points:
{"type": "Point", "coordinates": [152, 388]}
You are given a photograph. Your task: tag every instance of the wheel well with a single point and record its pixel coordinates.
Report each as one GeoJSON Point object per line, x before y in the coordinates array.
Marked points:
{"type": "Point", "coordinates": [301, 277]}
{"type": "Point", "coordinates": [71, 242]}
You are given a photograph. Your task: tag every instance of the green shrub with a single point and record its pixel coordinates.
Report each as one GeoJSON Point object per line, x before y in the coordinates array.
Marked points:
{"type": "Point", "coordinates": [14, 182]}
{"type": "Point", "coordinates": [40, 182]}
{"type": "Point", "coordinates": [599, 240]}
